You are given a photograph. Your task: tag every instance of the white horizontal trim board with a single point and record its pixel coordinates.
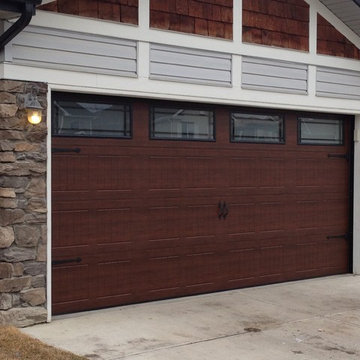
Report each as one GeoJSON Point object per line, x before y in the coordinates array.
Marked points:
{"type": "Point", "coordinates": [189, 65]}
{"type": "Point", "coordinates": [274, 75]}
{"type": "Point", "coordinates": [338, 83]}
{"type": "Point", "coordinates": [68, 50]}
{"type": "Point", "coordinates": [144, 34]}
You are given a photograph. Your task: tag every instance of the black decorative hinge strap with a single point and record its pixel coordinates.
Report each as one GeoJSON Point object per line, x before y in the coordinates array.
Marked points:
{"type": "Point", "coordinates": [65, 150]}
{"type": "Point", "coordinates": [342, 236]}
{"type": "Point", "coordinates": [66, 261]}
{"type": "Point", "coordinates": [342, 156]}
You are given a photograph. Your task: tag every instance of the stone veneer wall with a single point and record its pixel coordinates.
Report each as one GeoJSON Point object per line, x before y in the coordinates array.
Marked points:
{"type": "Point", "coordinates": [22, 208]}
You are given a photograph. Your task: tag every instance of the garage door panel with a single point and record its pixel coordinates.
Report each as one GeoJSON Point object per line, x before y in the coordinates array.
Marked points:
{"type": "Point", "coordinates": [307, 257]}
{"type": "Point", "coordinates": [163, 172]}
{"type": "Point", "coordinates": [73, 283]}
{"type": "Point", "coordinates": [311, 214]}
{"type": "Point", "coordinates": [271, 262]}
{"type": "Point", "coordinates": [241, 218]}
{"type": "Point", "coordinates": [331, 251]}
{"type": "Point", "coordinates": [164, 221]}
{"type": "Point", "coordinates": [113, 226]}
{"type": "Point", "coordinates": [195, 245]}
{"type": "Point", "coordinates": [70, 173]}
{"type": "Point", "coordinates": [243, 263]}
{"type": "Point", "coordinates": [271, 172]}
{"type": "Point", "coordinates": [113, 173]}
{"type": "Point", "coordinates": [337, 212]}
{"type": "Point", "coordinates": [322, 172]}
{"type": "Point", "coordinates": [322, 213]}
{"type": "Point", "coordinates": [200, 219]}
{"type": "Point", "coordinates": [203, 270]}
{"type": "Point", "coordinates": [114, 279]}
{"type": "Point", "coordinates": [71, 228]}
{"type": "Point", "coordinates": [309, 172]}
{"type": "Point", "coordinates": [269, 216]}
{"type": "Point", "coordinates": [164, 274]}
{"type": "Point", "coordinates": [253, 171]}
{"type": "Point", "coordinates": [200, 172]}
{"type": "Point", "coordinates": [241, 241]}
{"type": "Point", "coordinates": [244, 172]}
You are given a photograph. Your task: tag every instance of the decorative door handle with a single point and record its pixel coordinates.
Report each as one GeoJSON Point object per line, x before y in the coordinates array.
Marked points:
{"type": "Point", "coordinates": [222, 210]}
{"type": "Point", "coordinates": [226, 211]}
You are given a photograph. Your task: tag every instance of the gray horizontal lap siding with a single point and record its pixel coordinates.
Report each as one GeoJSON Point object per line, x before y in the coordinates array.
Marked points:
{"type": "Point", "coordinates": [274, 75]}
{"type": "Point", "coordinates": [189, 65]}
{"type": "Point", "coordinates": [338, 83]}
{"type": "Point", "coordinates": [59, 49]}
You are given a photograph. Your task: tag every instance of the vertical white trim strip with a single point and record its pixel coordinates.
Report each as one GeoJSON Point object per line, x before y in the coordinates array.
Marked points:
{"type": "Point", "coordinates": [236, 69]}
{"type": "Point", "coordinates": [313, 30]}
{"type": "Point", "coordinates": [144, 14]}
{"type": "Point", "coordinates": [237, 21]}
{"type": "Point", "coordinates": [311, 80]}
{"type": "Point", "coordinates": [8, 52]}
{"type": "Point", "coordinates": [143, 60]}
{"type": "Point", "coordinates": [49, 211]}
{"type": "Point", "coordinates": [356, 225]}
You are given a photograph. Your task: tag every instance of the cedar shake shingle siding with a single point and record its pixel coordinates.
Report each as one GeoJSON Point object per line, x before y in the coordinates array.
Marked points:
{"type": "Point", "coordinates": [332, 42]}
{"type": "Point", "coordinates": [282, 23]}
{"type": "Point", "coordinates": [125, 11]}
{"type": "Point", "coordinates": [201, 17]}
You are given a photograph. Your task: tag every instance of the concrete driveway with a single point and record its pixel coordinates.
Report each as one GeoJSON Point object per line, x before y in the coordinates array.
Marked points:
{"type": "Point", "coordinates": [311, 319]}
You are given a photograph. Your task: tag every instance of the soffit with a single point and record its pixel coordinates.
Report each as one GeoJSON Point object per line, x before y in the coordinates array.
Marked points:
{"type": "Point", "coordinates": [348, 11]}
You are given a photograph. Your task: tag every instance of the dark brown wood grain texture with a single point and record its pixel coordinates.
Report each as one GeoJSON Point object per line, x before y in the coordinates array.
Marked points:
{"type": "Point", "coordinates": [331, 42]}
{"type": "Point", "coordinates": [201, 17]}
{"type": "Point", "coordinates": [142, 215]}
{"type": "Point", "coordinates": [280, 23]}
{"type": "Point", "coordinates": [125, 11]}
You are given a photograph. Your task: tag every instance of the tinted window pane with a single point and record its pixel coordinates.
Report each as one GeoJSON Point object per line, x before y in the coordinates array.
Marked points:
{"type": "Point", "coordinates": [91, 118]}
{"type": "Point", "coordinates": [183, 124]}
{"type": "Point", "coordinates": [321, 131]}
{"type": "Point", "coordinates": [257, 128]}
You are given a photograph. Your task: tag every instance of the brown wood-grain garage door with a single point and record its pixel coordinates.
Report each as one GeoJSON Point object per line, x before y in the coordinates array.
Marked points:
{"type": "Point", "coordinates": [138, 219]}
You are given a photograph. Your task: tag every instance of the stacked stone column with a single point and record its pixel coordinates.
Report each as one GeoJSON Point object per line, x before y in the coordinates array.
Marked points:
{"type": "Point", "coordinates": [23, 210]}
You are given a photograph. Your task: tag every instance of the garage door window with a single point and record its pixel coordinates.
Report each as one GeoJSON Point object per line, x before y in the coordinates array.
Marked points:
{"type": "Point", "coordinates": [181, 124]}
{"type": "Point", "coordinates": [257, 128]}
{"type": "Point", "coordinates": [98, 117]}
{"type": "Point", "coordinates": [320, 131]}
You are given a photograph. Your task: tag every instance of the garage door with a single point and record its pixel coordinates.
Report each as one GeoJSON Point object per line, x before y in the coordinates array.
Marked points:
{"type": "Point", "coordinates": [158, 200]}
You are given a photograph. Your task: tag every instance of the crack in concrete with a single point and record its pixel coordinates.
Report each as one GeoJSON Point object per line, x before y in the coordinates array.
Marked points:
{"type": "Point", "coordinates": [182, 345]}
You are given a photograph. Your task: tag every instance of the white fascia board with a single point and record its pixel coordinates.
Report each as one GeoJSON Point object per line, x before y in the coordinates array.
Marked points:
{"type": "Point", "coordinates": [335, 21]}
{"type": "Point", "coordinates": [140, 33]}
{"type": "Point", "coordinates": [144, 88]}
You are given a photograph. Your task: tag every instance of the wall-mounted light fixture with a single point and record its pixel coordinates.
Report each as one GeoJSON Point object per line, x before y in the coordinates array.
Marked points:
{"type": "Point", "coordinates": [33, 107]}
